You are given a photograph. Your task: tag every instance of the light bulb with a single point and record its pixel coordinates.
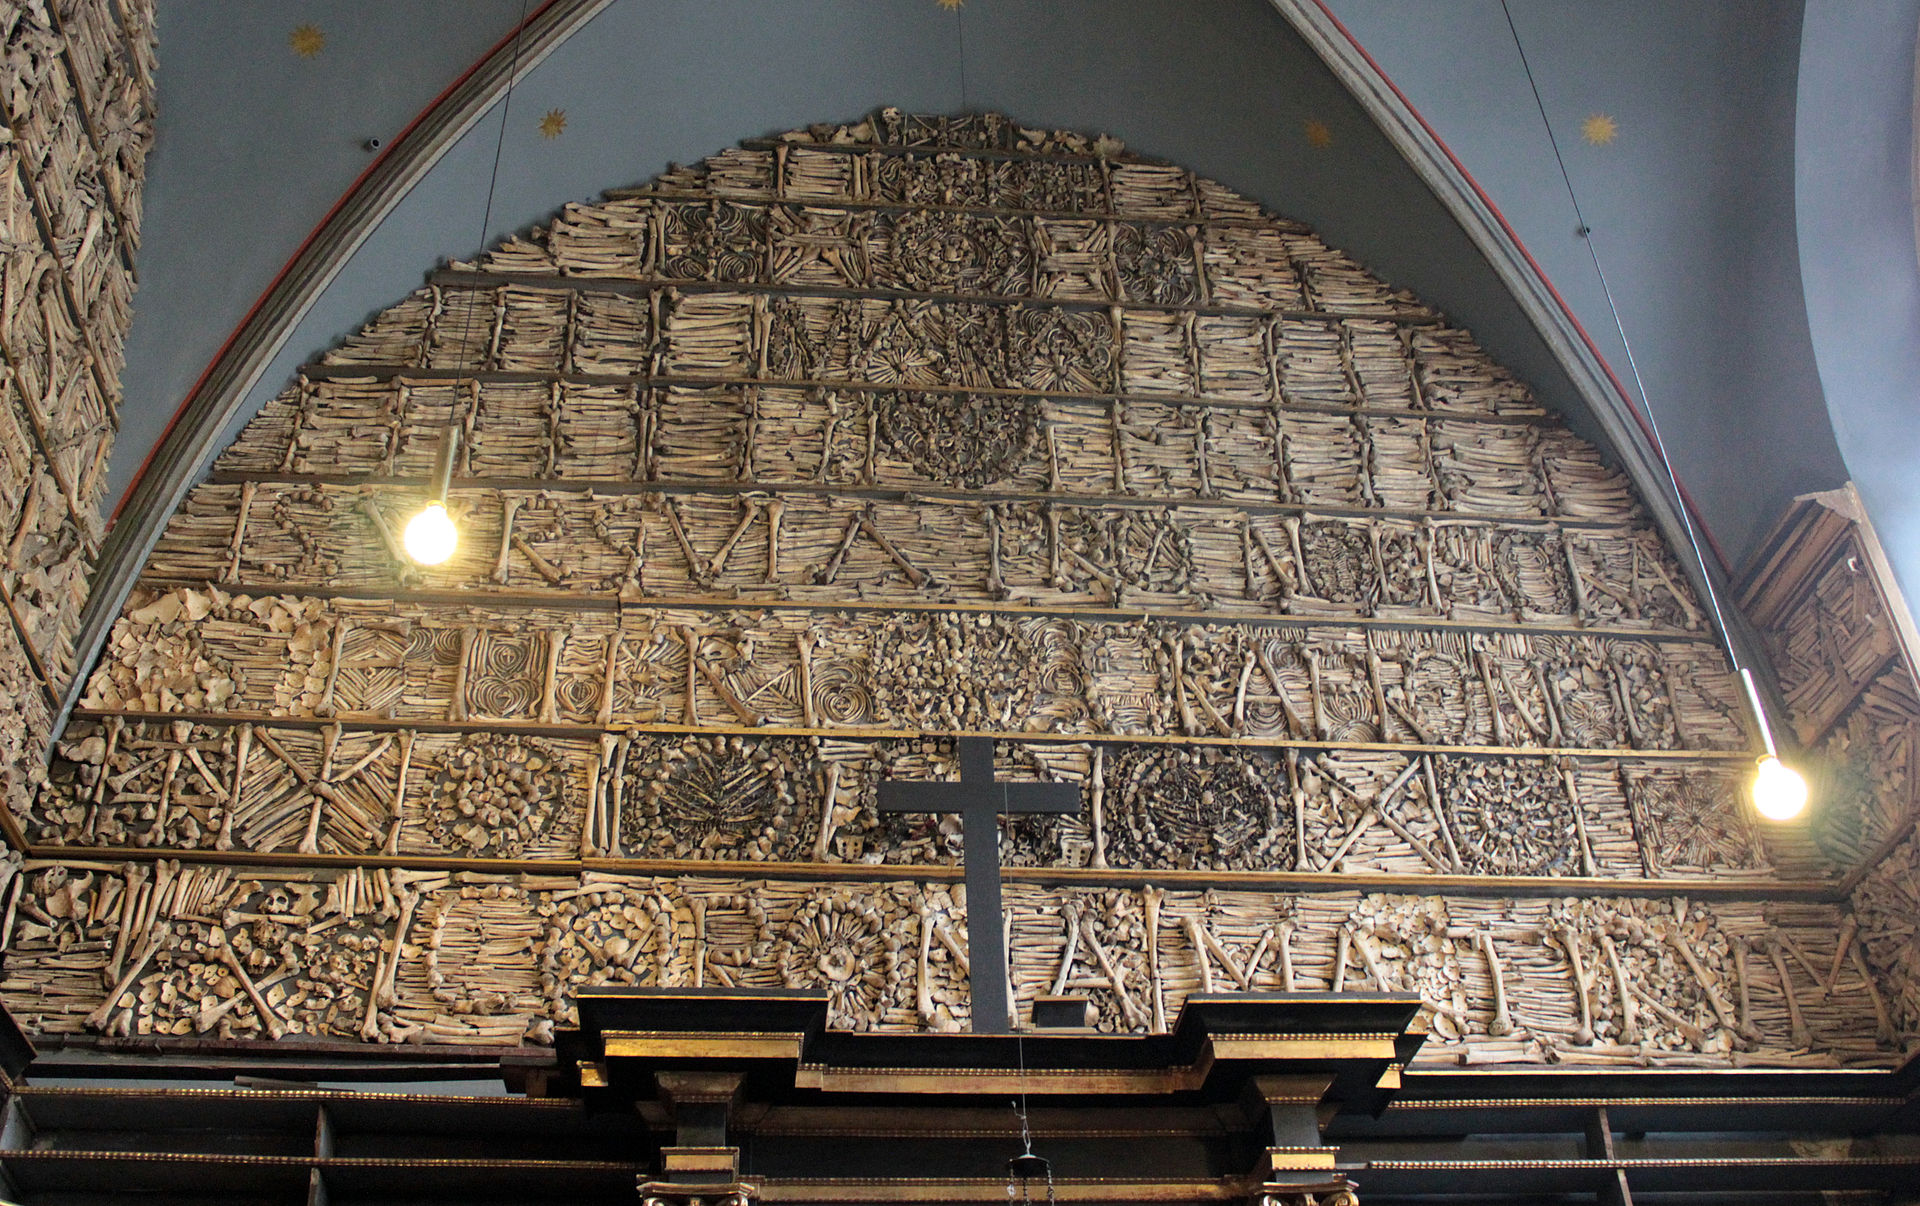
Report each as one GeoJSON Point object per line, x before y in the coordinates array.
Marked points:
{"type": "Point", "coordinates": [430, 537]}
{"type": "Point", "coordinates": [1779, 793]}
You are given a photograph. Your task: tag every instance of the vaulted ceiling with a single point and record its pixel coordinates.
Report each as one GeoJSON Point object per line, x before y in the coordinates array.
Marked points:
{"type": "Point", "coordinates": [1751, 207]}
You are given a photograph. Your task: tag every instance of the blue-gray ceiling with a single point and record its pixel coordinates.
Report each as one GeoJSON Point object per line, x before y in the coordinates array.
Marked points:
{"type": "Point", "coordinates": [1691, 207]}
{"type": "Point", "coordinates": [1854, 203]}
{"type": "Point", "coordinates": [1702, 208]}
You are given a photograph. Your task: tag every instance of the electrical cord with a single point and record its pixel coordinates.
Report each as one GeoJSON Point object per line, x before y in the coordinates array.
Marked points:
{"type": "Point", "coordinates": [1633, 364]}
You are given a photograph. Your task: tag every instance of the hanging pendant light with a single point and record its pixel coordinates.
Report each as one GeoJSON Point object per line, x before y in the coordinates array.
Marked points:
{"type": "Point", "coordinates": [1023, 1170]}
{"type": "Point", "coordinates": [431, 537]}
{"type": "Point", "coordinates": [1779, 792]}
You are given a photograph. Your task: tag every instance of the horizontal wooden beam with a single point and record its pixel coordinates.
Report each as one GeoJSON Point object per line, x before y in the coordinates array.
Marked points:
{"type": "Point", "coordinates": [471, 278]}
{"type": "Point", "coordinates": [1705, 887]}
{"type": "Point", "coordinates": [622, 486]}
{"type": "Point", "coordinates": [409, 374]}
{"type": "Point", "coordinates": [573, 599]}
{"type": "Point", "coordinates": [857, 733]}
{"type": "Point", "coordinates": [774, 195]}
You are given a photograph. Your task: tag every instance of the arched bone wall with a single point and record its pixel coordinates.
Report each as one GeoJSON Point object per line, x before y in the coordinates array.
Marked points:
{"type": "Point", "coordinates": [1372, 674]}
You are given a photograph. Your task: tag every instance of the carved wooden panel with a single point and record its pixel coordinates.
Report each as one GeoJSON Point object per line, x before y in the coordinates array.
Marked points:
{"type": "Point", "coordinates": [1885, 903]}
{"type": "Point", "coordinates": [1821, 592]}
{"type": "Point", "coordinates": [656, 796]}
{"type": "Point", "coordinates": [1869, 769]}
{"type": "Point", "coordinates": [1833, 642]}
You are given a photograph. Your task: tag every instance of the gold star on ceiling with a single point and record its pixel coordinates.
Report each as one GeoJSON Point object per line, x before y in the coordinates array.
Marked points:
{"type": "Point", "coordinates": [1319, 136]}
{"type": "Point", "coordinates": [1599, 129]}
{"type": "Point", "coordinates": [553, 123]}
{"type": "Point", "coordinates": [307, 40]}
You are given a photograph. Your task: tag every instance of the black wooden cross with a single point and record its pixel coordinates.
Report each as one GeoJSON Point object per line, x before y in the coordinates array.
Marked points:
{"type": "Point", "coordinates": [980, 801]}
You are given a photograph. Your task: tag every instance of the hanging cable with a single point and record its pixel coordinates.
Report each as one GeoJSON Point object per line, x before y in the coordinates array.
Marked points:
{"type": "Point", "coordinates": [1026, 1135]}
{"type": "Point", "coordinates": [1779, 793]}
{"type": "Point", "coordinates": [431, 537]}
{"type": "Point", "coordinates": [960, 43]}
{"type": "Point", "coordinates": [1023, 1168]}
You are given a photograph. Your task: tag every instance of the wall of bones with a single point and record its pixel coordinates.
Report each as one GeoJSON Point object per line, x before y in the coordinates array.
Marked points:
{"type": "Point", "coordinates": [780, 471]}
{"type": "Point", "coordinates": [76, 118]}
